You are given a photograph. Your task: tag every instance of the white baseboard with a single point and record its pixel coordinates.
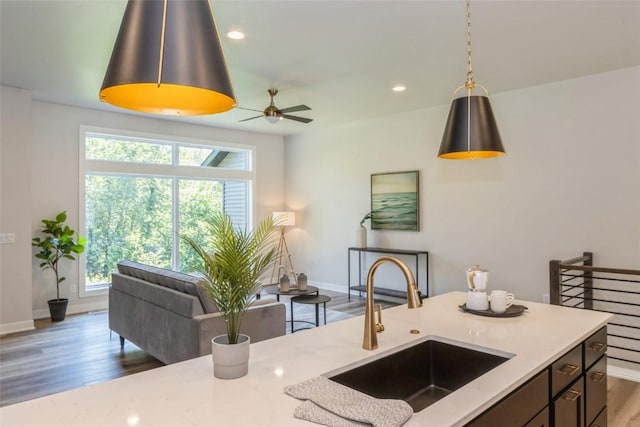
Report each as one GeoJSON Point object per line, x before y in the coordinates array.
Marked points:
{"type": "Point", "coordinates": [10, 328]}
{"type": "Point", "coordinates": [74, 309]}
{"type": "Point", "coordinates": [329, 286]}
{"type": "Point", "coordinates": [623, 373]}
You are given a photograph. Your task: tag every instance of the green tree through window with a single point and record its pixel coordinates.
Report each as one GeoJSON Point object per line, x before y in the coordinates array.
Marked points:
{"type": "Point", "coordinates": [140, 194]}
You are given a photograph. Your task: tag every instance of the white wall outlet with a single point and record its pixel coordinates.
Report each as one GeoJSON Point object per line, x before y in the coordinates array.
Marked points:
{"type": "Point", "coordinates": [74, 287]}
{"type": "Point", "coordinates": [546, 299]}
{"type": "Point", "coordinates": [7, 238]}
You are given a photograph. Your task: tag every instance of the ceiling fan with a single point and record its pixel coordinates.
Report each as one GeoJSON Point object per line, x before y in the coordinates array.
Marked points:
{"type": "Point", "coordinates": [273, 114]}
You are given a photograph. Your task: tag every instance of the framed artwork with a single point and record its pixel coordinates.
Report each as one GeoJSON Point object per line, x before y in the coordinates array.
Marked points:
{"type": "Point", "coordinates": [394, 201]}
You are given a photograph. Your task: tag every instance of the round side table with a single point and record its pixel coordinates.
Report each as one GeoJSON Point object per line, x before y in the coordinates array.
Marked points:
{"type": "Point", "coordinates": [311, 299]}
{"type": "Point", "coordinates": [275, 290]}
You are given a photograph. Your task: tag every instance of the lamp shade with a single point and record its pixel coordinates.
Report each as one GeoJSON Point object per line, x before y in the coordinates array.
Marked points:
{"type": "Point", "coordinates": [471, 131]}
{"type": "Point", "coordinates": [167, 59]}
{"type": "Point", "coordinates": [284, 219]}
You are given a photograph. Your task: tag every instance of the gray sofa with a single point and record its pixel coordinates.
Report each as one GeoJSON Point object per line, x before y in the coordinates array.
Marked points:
{"type": "Point", "coordinates": [169, 314]}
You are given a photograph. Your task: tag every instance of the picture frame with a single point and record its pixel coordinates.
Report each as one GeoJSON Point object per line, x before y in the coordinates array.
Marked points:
{"type": "Point", "coordinates": [395, 201]}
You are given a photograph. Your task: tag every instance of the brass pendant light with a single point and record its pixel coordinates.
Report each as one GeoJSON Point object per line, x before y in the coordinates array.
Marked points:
{"type": "Point", "coordinates": [167, 59]}
{"type": "Point", "coordinates": [471, 131]}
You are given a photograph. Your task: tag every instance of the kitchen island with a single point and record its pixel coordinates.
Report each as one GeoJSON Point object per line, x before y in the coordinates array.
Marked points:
{"type": "Point", "coordinates": [187, 394]}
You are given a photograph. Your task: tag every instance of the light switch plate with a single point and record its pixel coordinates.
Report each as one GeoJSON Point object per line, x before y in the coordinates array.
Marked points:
{"type": "Point", "coordinates": [7, 238]}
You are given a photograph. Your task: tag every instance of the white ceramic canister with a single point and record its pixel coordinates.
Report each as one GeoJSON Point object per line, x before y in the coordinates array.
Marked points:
{"type": "Point", "coordinates": [477, 300]}
{"type": "Point", "coordinates": [302, 282]}
{"type": "Point", "coordinates": [477, 278]}
{"type": "Point", "coordinates": [284, 283]}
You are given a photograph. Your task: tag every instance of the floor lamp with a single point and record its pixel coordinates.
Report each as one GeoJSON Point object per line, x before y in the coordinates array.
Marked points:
{"type": "Point", "coordinates": [283, 219]}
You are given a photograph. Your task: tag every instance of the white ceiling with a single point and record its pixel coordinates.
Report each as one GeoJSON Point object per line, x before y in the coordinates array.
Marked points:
{"type": "Point", "coordinates": [339, 57]}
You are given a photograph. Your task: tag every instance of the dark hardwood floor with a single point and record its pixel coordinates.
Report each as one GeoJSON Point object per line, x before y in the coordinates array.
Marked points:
{"type": "Point", "coordinates": [81, 350]}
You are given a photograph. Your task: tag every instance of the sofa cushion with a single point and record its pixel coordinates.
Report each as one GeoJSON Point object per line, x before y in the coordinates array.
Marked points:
{"type": "Point", "coordinates": [175, 280]}
{"type": "Point", "coordinates": [147, 294]}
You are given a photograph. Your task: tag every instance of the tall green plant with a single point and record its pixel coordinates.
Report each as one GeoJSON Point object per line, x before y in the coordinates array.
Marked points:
{"type": "Point", "coordinates": [233, 264]}
{"type": "Point", "coordinates": [60, 242]}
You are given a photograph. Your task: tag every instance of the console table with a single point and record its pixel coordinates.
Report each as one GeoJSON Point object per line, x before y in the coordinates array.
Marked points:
{"type": "Point", "coordinates": [417, 255]}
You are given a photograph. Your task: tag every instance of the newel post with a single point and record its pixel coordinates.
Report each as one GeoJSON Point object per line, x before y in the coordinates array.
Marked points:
{"type": "Point", "coordinates": [554, 282]}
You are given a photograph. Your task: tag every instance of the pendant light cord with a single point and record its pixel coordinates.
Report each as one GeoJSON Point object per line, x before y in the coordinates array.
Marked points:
{"type": "Point", "coordinates": [162, 35]}
{"type": "Point", "coordinates": [470, 83]}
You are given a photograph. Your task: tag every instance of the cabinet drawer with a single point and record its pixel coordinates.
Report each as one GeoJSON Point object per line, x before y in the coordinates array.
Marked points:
{"type": "Point", "coordinates": [596, 389]}
{"type": "Point", "coordinates": [594, 347]}
{"type": "Point", "coordinates": [601, 421]}
{"type": "Point", "coordinates": [518, 407]}
{"type": "Point", "coordinates": [541, 420]}
{"type": "Point", "coordinates": [565, 370]}
{"type": "Point", "coordinates": [568, 406]}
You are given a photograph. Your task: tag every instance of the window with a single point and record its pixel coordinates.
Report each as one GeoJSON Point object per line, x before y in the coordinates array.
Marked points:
{"type": "Point", "coordinates": [140, 193]}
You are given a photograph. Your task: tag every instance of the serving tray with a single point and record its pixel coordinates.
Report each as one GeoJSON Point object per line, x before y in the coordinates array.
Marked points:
{"type": "Point", "coordinates": [512, 311]}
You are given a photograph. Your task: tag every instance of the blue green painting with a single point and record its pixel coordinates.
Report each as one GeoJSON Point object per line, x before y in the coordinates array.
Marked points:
{"type": "Point", "coordinates": [394, 201]}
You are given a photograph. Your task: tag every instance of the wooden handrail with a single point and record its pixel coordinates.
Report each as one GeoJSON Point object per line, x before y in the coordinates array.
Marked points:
{"type": "Point", "coordinates": [577, 260]}
{"type": "Point", "coordinates": [599, 269]}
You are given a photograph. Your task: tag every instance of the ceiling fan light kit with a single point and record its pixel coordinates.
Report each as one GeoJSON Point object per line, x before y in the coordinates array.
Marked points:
{"type": "Point", "coordinates": [273, 118]}
{"type": "Point", "coordinates": [168, 59]}
{"type": "Point", "coordinates": [471, 131]}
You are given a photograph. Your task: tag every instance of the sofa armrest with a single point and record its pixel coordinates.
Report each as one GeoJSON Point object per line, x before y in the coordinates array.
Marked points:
{"type": "Point", "coordinates": [261, 321]}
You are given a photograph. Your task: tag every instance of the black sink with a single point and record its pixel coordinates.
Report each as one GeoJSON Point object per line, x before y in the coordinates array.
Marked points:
{"type": "Point", "coordinates": [420, 375]}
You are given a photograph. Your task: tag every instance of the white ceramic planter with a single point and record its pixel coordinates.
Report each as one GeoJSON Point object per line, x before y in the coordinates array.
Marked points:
{"type": "Point", "coordinates": [230, 360]}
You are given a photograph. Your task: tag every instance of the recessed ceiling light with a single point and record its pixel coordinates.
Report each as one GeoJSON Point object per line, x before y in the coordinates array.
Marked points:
{"type": "Point", "coordinates": [235, 35]}
{"type": "Point", "coordinates": [399, 88]}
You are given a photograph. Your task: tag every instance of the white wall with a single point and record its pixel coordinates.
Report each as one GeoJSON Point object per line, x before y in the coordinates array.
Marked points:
{"type": "Point", "coordinates": [570, 182]}
{"type": "Point", "coordinates": [53, 174]}
{"type": "Point", "coordinates": [15, 210]}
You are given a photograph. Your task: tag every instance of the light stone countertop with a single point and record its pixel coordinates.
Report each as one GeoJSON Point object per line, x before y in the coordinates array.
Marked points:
{"type": "Point", "coordinates": [187, 394]}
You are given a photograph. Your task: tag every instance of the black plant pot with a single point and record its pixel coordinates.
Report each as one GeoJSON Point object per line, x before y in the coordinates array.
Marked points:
{"type": "Point", "coordinates": [58, 309]}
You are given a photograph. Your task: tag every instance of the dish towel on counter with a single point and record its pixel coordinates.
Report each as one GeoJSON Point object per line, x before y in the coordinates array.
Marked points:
{"type": "Point", "coordinates": [331, 404]}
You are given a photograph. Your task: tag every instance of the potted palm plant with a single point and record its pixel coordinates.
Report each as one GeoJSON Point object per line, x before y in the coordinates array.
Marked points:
{"type": "Point", "coordinates": [60, 242]}
{"type": "Point", "coordinates": [231, 269]}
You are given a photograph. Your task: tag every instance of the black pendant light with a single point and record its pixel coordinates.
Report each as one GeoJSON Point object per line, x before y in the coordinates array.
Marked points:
{"type": "Point", "coordinates": [168, 59]}
{"type": "Point", "coordinates": [471, 131]}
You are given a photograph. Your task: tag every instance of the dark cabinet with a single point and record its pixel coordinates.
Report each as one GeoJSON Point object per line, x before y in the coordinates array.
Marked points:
{"type": "Point", "coordinates": [601, 420]}
{"type": "Point", "coordinates": [568, 406]}
{"type": "Point", "coordinates": [571, 392]}
{"type": "Point", "coordinates": [567, 389]}
{"type": "Point", "coordinates": [540, 420]}
{"type": "Point", "coordinates": [595, 381]}
{"type": "Point", "coordinates": [578, 402]}
{"type": "Point", "coordinates": [565, 370]}
{"type": "Point", "coordinates": [595, 347]}
{"type": "Point", "coordinates": [519, 407]}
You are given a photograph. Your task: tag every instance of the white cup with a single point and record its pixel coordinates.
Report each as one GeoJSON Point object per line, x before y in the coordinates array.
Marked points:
{"type": "Point", "coordinates": [477, 300]}
{"type": "Point", "coordinates": [500, 301]}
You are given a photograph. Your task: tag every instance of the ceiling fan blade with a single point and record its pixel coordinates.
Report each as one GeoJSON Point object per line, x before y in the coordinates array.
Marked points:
{"type": "Point", "coordinates": [251, 118]}
{"type": "Point", "coordinates": [297, 119]}
{"type": "Point", "coordinates": [295, 108]}
{"type": "Point", "coordinates": [248, 109]}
